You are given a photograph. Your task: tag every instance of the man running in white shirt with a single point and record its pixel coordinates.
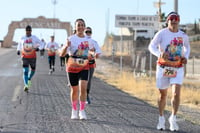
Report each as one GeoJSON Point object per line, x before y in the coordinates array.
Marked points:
{"type": "Point", "coordinates": [27, 47]}
{"type": "Point", "coordinates": [172, 48]}
{"type": "Point", "coordinates": [42, 48]}
{"type": "Point", "coordinates": [52, 47]}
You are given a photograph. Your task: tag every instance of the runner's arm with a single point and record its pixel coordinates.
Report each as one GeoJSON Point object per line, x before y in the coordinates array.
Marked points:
{"type": "Point", "coordinates": [63, 51]}
{"type": "Point", "coordinates": [186, 48]}
{"type": "Point", "coordinates": [154, 46]}
{"type": "Point", "coordinates": [97, 50]}
{"type": "Point", "coordinates": [19, 47]}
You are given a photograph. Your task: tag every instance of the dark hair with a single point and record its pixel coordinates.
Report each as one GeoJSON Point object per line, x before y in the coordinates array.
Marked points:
{"type": "Point", "coordinates": [172, 13]}
{"type": "Point", "coordinates": [80, 19]}
{"type": "Point", "coordinates": [89, 29]}
{"type": "Point", "coordinates": [28, 27]}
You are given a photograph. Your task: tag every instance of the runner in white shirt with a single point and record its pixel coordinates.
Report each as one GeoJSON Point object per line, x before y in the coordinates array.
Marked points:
{"type": "Point", "coordinates": [42, 46]}
{"type": "Point", "coordinates": [27, 47]}
{"type": "Point", "coordinates": [78, 46]}
{"type": "Point", "coordinates": [93, 55]}
{"type": "Point", "coordinates": [52, 47]}
{"type": "Point", "coordinates": [172, 48]}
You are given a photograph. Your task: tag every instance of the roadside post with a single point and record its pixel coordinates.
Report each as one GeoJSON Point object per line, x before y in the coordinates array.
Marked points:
{"type": "Point", "coordinates": [137, 22]}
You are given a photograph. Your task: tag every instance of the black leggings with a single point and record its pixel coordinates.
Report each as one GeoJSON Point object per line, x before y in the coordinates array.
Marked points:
{"type": "Point", "coordinates": [51, 61]}
{"type": "Point", "coordinates": [62, 61]}
{"type": "Point", "coordinates": [91, 71]}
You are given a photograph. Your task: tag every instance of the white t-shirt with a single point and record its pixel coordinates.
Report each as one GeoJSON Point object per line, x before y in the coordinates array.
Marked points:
{"type": "Point", "coordinates": [43, 44]}
{"type": "Point", "coordinates": [53, 46]}
{"type": "Point", "coordinates": [79, 46]}
{"type": "Point", "coordinates": [31, 42]}
{"type": "Point", "coordinates": [95, 45]}
{"type": "Point", "coordinates": [176, 44]}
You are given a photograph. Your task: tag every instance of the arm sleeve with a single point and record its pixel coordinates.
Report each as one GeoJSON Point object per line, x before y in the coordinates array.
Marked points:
{"type": "Point", "coordinates": [38, 43]}
{"type": "Point", "coordinates": [46, 46]}
{"type": "Point", "coordinates": [154, 45]}
{"type": "Point", "coordinates": [57, 46]}
{"type": "Point", "coordinates": [19, 46]}
{"type": "Point", "coordinates": [98, 49]}
{"type": "Point", "coordinates": [186, 47]}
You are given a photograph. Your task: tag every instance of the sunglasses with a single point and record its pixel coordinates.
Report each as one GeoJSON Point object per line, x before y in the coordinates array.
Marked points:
{"type": "Point", "coordinates": [88, 31]}
{"type": "Point", "coordinates": [174, 17]}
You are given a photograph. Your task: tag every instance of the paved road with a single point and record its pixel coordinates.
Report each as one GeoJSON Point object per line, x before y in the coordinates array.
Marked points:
{"type": "Point", "coordinates": [47, 109]}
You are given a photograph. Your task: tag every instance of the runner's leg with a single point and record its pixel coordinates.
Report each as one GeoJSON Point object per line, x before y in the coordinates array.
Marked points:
{"type": "Point", "coordinates": [49, 59]}
{"type": "Point", "coordinates": [25, 75]}
{"type": "Point", "coordinates": [162, 101]}
{"type": "Point", "coordinates": [90, 75]}
{"type": "Point", "coordinates": [175, 100]}
{"type": "Point", "coordinates": [25, 65]}
{"type": "Point", "coordinates": [53, 62]}
{"type": "Point", "coordinates": [33, 67]}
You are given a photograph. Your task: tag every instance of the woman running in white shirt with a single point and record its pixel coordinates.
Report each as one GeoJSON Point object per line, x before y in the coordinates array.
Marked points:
{"type": "Point", "coordinates": [78, 46]}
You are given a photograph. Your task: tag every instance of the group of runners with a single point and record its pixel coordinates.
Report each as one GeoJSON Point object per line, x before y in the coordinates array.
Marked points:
{"type": "Point", "coordinates": [81, 51]}
{"type": "Point", "coordinates": [170, 45]}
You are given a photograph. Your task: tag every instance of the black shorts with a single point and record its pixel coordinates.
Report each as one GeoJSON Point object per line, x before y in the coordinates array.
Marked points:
{"type": "Point", "coordinates": [75, 77]}
{"type": "Point", "coordinates": [29, 61]}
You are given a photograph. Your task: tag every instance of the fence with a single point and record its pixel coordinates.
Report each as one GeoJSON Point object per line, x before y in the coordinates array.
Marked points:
{"type": "Point", "coordinates": [193, 67]}
{"type": "Point", "coordinates": [141, 67]}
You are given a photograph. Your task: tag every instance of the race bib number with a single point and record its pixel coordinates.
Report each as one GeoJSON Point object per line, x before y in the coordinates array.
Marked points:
{"type": "Point", "coordinates": [170, 72]}
{"type": "Point", "coordinates": [77, 62]}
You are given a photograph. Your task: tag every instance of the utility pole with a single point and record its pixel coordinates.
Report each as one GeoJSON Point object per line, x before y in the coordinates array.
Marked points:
{"type": "Point", "coordinates": [121, 46]}
{"type": "Point", "coordinates": [54, 2]}
{"type": "Point", "coordinates": [158, 5]}
{"type": "Point", "coordinates": [176, 6]}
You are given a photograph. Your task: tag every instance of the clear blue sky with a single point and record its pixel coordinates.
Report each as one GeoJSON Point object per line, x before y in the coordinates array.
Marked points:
{"type": "Point", "coordinates": [98, 14]}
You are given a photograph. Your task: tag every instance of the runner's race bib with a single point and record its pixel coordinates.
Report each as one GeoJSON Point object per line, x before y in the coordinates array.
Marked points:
{"type": "Point", "coordinates": [76, 64]}
{"type": "Point", "coordinates": [170, 72]}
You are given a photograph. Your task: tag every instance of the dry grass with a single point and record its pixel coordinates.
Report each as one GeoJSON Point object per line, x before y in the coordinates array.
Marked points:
{"type": "Point", "coordinates": [190, 96]}
{"type": "Point", "coordinates": [145, 88]}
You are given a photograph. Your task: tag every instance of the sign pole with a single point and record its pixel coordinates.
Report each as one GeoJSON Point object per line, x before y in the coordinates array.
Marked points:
{"type": "Point", "coordinates": [121, 41]}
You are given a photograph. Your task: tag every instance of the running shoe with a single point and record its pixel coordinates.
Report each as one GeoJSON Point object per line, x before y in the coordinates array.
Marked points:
{"type": "Point", "coordinates": [74, 114]}
{"type": "Point", "coordinates": [50, 71]}
{"type": "Point", "coordinates": [173, 124]}
{"type": "Point", "coordinates": [161, 123]}
{"type": "Point", "coordinates": [29, 83]}
{"type": "Point", "coordinates": [82, 115]}
{"type": "Point", "coordinates": [26, 88]}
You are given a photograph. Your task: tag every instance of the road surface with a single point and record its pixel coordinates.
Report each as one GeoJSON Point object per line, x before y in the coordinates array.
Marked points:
{"type": "Point", "coordinates": [47, 109]}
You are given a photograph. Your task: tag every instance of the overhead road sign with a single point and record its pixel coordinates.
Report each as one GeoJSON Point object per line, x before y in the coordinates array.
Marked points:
{"type": "Point", "coordinates": [137, 21]}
